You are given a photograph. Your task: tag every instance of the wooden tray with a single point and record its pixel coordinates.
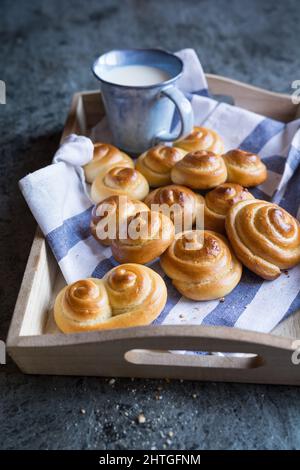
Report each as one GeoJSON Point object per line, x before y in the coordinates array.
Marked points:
{"type": "Point", "coordinates": [37, 347]}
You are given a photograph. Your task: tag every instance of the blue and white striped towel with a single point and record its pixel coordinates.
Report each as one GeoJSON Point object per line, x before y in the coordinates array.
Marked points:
{"type": "Point", "coordinates": [56, 196]}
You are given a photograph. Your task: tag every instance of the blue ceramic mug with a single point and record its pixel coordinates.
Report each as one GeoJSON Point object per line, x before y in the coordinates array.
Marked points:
{"type": "Point", "coordinates": [140, 116]}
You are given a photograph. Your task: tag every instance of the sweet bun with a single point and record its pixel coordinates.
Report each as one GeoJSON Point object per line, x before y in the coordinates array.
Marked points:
{"type": "Point", "coordinates": [156, 164]}
{"type": "Point", "coordinates": [82, 306]}
{"type": "Point", "coordinates": [105, 156]}
{"type": "Point", "coordinates": [201, 138]}
{"type": "Point", "coordinates": [201, 265]}
{"type": "Point", "coordinates": [110, 213]}
{"type": "Point", "coordinates": [244, 168]}
{"type": "Point", "coordinates": [218, 201]}
{"type": "Point", "coordinates": [264, 237]}
{"type": "Point", "coordinates": [147, 236]}
{"type": "Point", "coordinates": [200, 170]}
{"type": "Point", "coordinates": [119, 181]}
{"type": "Point", "coordinates": [185, 204]}
{"type": "Point", "coordinates": [137, 294]}
{"type": "Point", "coordinates": [128, 295]}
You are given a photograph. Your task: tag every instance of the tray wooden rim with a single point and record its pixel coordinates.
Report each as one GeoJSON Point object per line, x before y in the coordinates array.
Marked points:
{"type": "Point", "coordinates": [189, 337]}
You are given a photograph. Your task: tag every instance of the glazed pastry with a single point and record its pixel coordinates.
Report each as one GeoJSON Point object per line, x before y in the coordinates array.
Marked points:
{"type": "Point", "coordinates": [147, 236]}
{"type": "Point", "coordinates": [82, 306]}
{"type": "Point", "coordinates": [181, 204]}
{"type": "Point", "coordinates": [128, 295]}
{"type": "Point", "coordinates": [119, 181]}
{"type": "Point", "coordinates": [137, 295]}
{"type": "Point", "coordinates": [244, 168]}
{"type": "Point", "coordinates": [201, 265]}
{"type": "Point", "coordinates": [264, 237]}
{"type": "Point", "coordinates": [156, 164]}
{"type": "Point", "coordinates": [109, 214]}
{"type": "Point", "coordinates": [105, 156]}
{"type": "Point", "coordinates": [218, 201]}
{"type": "Point", "coordinates": [201, 138]}
{"type": "Point", "coordinates": [200, 170]}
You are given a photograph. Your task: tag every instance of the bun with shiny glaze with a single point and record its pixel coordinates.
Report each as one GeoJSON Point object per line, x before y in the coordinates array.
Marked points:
{"type": "Point", "coordinates": [105, 156]}
{"type": "Point", "coordinates": [201, 265]}
{"type": "Point", "coordinates": [156, 164]}
{"type": "Point", "coordinates": [265, 237]}
{"type": "Point", "coordinates": [128, 295]}
{"type": "Point", "coordinates": [244, 168]}
{"type": "Point", "coordinates": [200, 170]}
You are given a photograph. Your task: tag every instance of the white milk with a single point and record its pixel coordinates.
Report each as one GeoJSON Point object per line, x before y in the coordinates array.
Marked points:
{"type": "Point", "coordinates": [135, 75]}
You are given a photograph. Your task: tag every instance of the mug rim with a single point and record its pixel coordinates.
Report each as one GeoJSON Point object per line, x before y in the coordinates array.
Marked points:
{"type": "Point", "coordinates": [145, 49]}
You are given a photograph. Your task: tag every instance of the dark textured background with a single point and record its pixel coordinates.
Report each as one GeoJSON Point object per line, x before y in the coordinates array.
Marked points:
{"type": "Point", "coordinates": [46, 48]}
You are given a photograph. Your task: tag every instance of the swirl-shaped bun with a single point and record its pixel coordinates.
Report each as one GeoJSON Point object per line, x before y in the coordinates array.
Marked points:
{"type": "Point", "coordinates": [128, 295]}
{"type": "Point", "coordinates": [185, 204]}
{"type": "Point", "coordinates": [147, 236]}
{"type": "Point", "coordinates": [218, 201]}
{"type": "Point", "coordinates": [200, 170]}
{"type": "Point", "coordinates": [264, 237]}
{"type": "Point", "coordinates": [137, 294]}
{"type": "Point", "coordinates": [119, 181]}
{"type": "Point", "coordinates": [244, 168]}
{"type": "Point", "coordinates": [82, 306]}
{"type": "Point", "coordinates": [201, 265]}
{"type": "Point", "coordinates": [201, 138]}
{"type": "Point", "coordinates": [156, 164]}
{"type": "Point", "coordinates": [105, 156]}
{"type": "Point", "coordinates": [109, 214]}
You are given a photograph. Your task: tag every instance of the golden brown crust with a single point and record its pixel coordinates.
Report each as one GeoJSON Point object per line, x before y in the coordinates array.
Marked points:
{"type": "Point", "coordinates": [156, 164]}
{"type": "Point", "coordinates": [128, 295]}
{"type": "Point", "coordinates": [105, 156]}
{"type": "Point", "coordinates": [202, 138]}
{"type": "Point", "coordinates": [186, 204]}
{"type": "Point", "coordinates": [147, 236]}
{"type": "Point", "coordinates": [136, 289]}
{"type": "Point", "coordinates": [218, 201]}
{"type": "Point", "coordinates": [201, 265]}
{"type": "Point", "coordinates": [200, 170]}
{"type": "Point", "coordinates": [264, 237]}
{"type": "Point", "coordinates": [82, 306]}
{"type": "Point", "coordinates": [108, 214]}
{"type": "Point", "coordinates": [119, 181]}
{"type": "Point", "coordinates": [244, 168]}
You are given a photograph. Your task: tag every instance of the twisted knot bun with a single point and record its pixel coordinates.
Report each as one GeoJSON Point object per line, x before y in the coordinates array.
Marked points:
{"type": "Point", "coordinates": [119, 181]}
{"type": "Point", "coordinates": [200, 170]}
{"type": "Point", "coordinates": [128, 295]}
{"type": "Point", "coordinates": [264, 237]}
{"type": "Point", "coordinates": [185, 205]}
{"type": "Point", "coordinates": [201, 265]}
{"type": "Point", "coordinates": [244, 168]}
{"type": "Point", "coordinates": [109, 214]}
{"type": "Point", "coordinates": [201, 138]}
{"type": "Point", "coordinates": [105, 156]}
{"type": "Point", "coordinates": [218, 201]}
{"type": "Point", "coordinates": [146, 236]}
{"type": "Point", "coordinates": [156, 164]}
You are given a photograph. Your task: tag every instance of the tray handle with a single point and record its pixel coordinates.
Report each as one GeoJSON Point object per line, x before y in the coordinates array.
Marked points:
{"type": "Point", "coordinates": [251, 356]}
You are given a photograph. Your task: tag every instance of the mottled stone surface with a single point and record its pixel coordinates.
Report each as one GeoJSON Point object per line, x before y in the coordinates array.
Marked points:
{"type": "Point", "coordinates": [46, 48]}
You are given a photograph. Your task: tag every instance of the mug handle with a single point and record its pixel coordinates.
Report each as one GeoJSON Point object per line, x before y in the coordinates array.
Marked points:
{"type": "Point", "coordinates": [185, 113]}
